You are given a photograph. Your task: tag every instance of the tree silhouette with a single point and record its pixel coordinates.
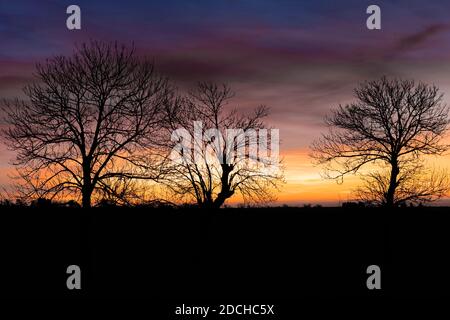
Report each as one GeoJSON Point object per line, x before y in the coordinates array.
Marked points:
{"type": "Point", "coordinates": [393, 124]}
{"type": "Point", "coordinates": [416, 185]}
{"type": "Point", "coordinates": [218, 164]}
{"type": "Point", "coordinates": [89, 119]}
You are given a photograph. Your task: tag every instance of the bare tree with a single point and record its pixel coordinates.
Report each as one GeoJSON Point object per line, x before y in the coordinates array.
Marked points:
{"type": "Point", "coordinates": [89, 119]}
{"type": "Point", "coordinates": [393, 124]}
{"type": "Point", "coordinates": [416, 185]}
{"type": "Point", "coordinates": [214, 153]}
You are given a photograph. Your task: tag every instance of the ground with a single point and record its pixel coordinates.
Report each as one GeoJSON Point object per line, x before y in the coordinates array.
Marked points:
{"type": "Point", "coordinates": [183, 255]}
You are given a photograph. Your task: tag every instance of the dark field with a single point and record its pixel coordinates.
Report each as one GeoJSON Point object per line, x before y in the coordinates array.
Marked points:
{"type": "Point", "coordinates": [230, 255]}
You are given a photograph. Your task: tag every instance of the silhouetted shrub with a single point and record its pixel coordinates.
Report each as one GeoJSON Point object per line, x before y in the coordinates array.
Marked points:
{"type": "Point", "coordinates": [41, 203]}
{"type": "Point", "coordinates": [351, 204]}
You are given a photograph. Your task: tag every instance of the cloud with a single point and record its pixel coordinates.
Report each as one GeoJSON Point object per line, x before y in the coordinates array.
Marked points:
{"type": "Point", "coordinates": [420, 40]}
{"type": "Point", "coordinates": [13, 82]}
{"type": "Point", "coordinates": [421, 37]}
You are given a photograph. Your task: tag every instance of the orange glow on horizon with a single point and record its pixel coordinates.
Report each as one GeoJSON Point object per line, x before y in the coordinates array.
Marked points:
{"type": "Point", "coordinates": [304, 183]}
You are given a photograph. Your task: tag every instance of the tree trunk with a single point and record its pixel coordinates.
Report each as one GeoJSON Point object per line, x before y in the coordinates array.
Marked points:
{"type": "Point", "coordinates": [86, 198]}
{"type": "Point", "coordinates": [225, 191]}
{"type": "Point", "coordinates": [86, 191]}
{"type": "Point", "coordinates": [390, 194]}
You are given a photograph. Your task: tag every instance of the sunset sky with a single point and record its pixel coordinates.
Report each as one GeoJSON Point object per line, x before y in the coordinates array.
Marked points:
{"type": "Point", "coordinates": [300, 58]}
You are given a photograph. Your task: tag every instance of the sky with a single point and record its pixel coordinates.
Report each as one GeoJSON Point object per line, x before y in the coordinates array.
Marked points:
{"type": "Point", "coordinates": [300, 58]}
